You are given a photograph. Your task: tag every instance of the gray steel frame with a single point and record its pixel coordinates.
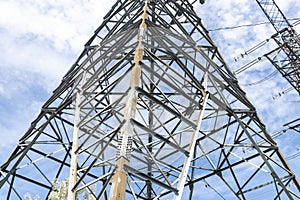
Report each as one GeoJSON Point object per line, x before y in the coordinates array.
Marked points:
{"type": "Point", "coordinates": [178, 52]}
{"type": "Point", "coordinates": [285, 58]}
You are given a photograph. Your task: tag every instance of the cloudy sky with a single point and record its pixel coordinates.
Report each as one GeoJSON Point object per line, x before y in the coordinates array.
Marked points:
{"type": "Point", "coordinates": [40, 40]}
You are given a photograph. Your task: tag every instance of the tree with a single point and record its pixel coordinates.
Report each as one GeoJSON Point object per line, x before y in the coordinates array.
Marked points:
{"type": "Point", "coordinates": [60, 192]}
{"type": "Point", "coordinates": [28, 197]}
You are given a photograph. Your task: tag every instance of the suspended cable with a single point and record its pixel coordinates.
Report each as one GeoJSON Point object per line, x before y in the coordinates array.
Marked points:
{"type": "Point", "coordinates": [279, 133]}
{"type": "Point", "coordinates": [291, 126]}
{"type": "Point", "coordinates": [262, 80]}
{"type": "Point", "coordinates": [247, 66]}
{"type": "Point", "coordinates": [293, 156]}
{"type": "Point", "coordinates": [250, 25]}
{"type": "Point", "coordinates": [296, 23]}
{"type": "Point", "coordinates": [208, 185]}
{"type": "Point", "coordinates": [259, 45]}
{"type": "Point", "coordinates": [293, 101]}
{"type": "Point", "coordinates": [247, 52]}
{"type": "Point", "coordinates": [239, 26]}
{"type": "Point", "coordinates": [282, 93]}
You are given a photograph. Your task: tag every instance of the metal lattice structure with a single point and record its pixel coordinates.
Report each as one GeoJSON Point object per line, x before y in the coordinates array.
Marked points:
{"type": "Point", "coordinates": [286, 57]}
{"type": "Point", "coordinates": [149, 110]}
{"type": "Point", "coordinates": [293, 125]}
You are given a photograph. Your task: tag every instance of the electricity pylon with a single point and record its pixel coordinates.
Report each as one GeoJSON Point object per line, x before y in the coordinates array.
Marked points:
{"type": "Point", "coordinates": [149, 110]}
{"type": "Point", "coordinates": [285, 58]}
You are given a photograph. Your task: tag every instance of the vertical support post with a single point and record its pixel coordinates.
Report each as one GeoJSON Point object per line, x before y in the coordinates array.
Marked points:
{"type": "Point", "coordinates": [119, 180]}
{"type": "Point", "coordinates": [150, 118]}
{"type": "Point", "coordinates": [150, 139]}
{"type": "Point", "coordinates": [74, 155]}
{"type": "Point", "coordinates": [191, 149]}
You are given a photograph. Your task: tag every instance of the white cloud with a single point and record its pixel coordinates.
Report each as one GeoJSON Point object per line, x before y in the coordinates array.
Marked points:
{"type": "Point", "coordinates": [46, 36]}
{"type": "Point", "coordinates": [61, 22]}
{"type": "Point", "coordinates": [39, 41]}
{"type": "Point", "coordinates": [231, 42]}
{"type": "Point", "coordinates": [2, 92]}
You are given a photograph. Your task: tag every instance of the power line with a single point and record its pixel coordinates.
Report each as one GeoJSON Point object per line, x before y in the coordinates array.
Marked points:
{"type": "Point", "coordinates": [252, 49]}
{"type": "Point", "coordinates": [238, 26]}
{"type": "Point", "coordinates": [208, 185]}
{"type": "Point", "coordinates": [248, 65]}
{"type": "Point", "coordinates": [293, 156]}
{"type": "Point", "coordinates": [248, 25]}
{"type": "Point", "coordinates": [262, 80]}
{"type": "Point", "coordinates": [282, 93]}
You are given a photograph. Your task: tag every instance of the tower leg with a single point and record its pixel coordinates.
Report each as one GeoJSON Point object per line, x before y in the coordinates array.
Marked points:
{"type": "Point", "coordinates": [119, 181]}
{"type": "Point", "coordinates": [187, 162]}
{"type": "Point", "coordinates": [74, 155]}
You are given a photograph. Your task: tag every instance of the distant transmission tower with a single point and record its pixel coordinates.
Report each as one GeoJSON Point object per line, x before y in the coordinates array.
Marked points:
{"type": "Point", "coordinates": [285, 58]}
{"type": "Point", "coordinates": [149, 110]}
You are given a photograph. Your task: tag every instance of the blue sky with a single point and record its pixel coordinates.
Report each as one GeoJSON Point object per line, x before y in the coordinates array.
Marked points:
{"type": "Point", "coordinates": [274, 109]}
{"type": "Point", "coordinates": [40, 40]}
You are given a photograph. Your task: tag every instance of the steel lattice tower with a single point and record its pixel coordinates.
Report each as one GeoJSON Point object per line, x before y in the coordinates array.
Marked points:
{"type": "Point", "coordinates": [285, 58]}
{"type": "Point", "coordinates": [149, 110]}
